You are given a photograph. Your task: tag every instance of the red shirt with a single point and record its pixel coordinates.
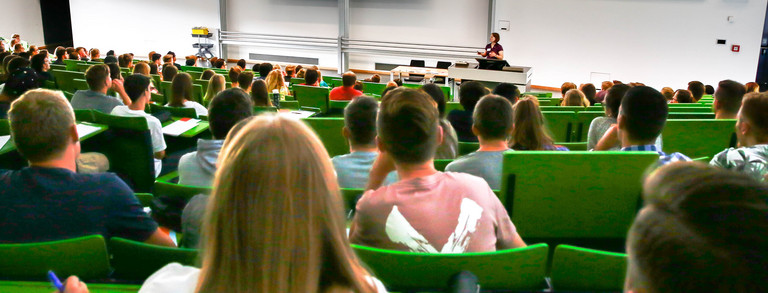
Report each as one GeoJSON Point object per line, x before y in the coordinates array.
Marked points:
{"type": "Point", "coordinates": [344, 93]}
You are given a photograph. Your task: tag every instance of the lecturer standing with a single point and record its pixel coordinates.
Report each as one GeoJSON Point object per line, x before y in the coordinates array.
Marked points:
{"type": "Point", "coordinates": [493, 50]}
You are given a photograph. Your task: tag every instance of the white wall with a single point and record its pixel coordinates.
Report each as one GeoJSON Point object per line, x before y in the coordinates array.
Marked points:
{"type": "Point", "coordinates": [660, 43]}
{"type": "Point", "coordinates": [23, 17]}
{"type": "Point", "coordinates": [141, 26]}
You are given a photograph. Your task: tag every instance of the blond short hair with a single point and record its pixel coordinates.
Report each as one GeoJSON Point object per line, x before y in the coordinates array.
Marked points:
{"type": "Point", "coordinates": [40, 121]}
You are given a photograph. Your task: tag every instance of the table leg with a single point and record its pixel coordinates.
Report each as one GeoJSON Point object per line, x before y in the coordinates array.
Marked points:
{"type": "Point", "coordinates": [391, 76]}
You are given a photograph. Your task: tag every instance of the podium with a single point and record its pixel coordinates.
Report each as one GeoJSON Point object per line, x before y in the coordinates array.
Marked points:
{"type": "Point", "coordinates": [517, 75]}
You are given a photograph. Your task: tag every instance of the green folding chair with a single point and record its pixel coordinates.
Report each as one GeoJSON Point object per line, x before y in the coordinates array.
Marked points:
{"type": "Point", "coordinates": [188, 69]}
{"type": "Point", "coordinates": [145, 199]}
{"type": "Point", "coordinates": [136, 261]}
{"type": "Point", "coordinates": [82, 67]}
{"type": "Point", "coordinates": [288, 104]}
{"type": "Point", "coordinates": [595, 108]}
{"type": "Point", "coordinates": [128, 146]}
{"type": "Point", "coordinates": [521, 269]}
{"type": "Point", "coordinates": [64, 79]}
{"type": "Point", "coordinates": [699, 137]}
{"type": "Point", "coordinates": [195, 74]}
{"type": "Point", "coordinates": [538, 95]}
{"type": "Point", "coordinates": [59, 67]}
{"type": "Point", "coordinates": [80, 84]}
{"type": "Point", "coordinates": [441, 164]}
{"type": "Point", "coordinates": [329, 131]}
{"type": "Point", "coordinates": [373, 88]}
{"type": "Point", "coordinates": [84, 115]}
{"type": "Point", "coordinates": [583, 120]}
{"type": "Point", "coordinates": [450, 106]}
{"type": "Point", "coordinates": [312, 98]}
{"type": "Point", "coordinates": [468, 147]}
{"type": "Point", "coordinates": [170, 199]}
{"type": "Point", "coordinates": [563, 196]}
{"type": "Point", "coordinates": [560, 124]}
{"type": "Point", "coordinates": [694, 109]}
{"type": "Point", "coordinates": [175, 111]}
{"type": "Point", "coordinates": [690, 115]}
{"type": "Point", "coordinates": [45, 287]}
{"type": "Point", "coordinates": [72, 64]}
{"type": "Point", "coordinates": [581, 269]}
{"type": "Point", "coordinates": [562, 108]}
{"type": "Point", "coordinates": [85, 257]}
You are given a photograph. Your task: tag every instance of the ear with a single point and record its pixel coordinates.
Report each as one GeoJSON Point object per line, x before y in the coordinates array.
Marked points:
{"type": "Point", "coordinates": [380, 145]}
{"type": "Point", "coordinates": [345, 132]}
{"type": "Point", "coordinates": [440, 134]}
{"type": "Point", "coordinates": [475, 131]}
{"type": "Point", "coordinates": [715, 105]}
{"type": "Point", "coordinates": [621, 121]}
{"type": "Point", "coordinates": [744, 127]}
{"type": "Point", "coordinates": [73, 135]}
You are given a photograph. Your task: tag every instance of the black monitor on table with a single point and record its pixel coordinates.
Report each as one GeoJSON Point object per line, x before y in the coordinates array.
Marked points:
{"type": "Point", "coordinates": [491, 64]}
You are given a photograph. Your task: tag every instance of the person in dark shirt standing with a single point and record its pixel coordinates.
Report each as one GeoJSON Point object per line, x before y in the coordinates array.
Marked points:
{"type": "Point", "coordinates": [493, 50]}
{"type": "Point", "coordinates": [48, 200]}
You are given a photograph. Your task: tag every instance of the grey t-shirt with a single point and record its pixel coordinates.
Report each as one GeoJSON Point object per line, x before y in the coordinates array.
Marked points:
{"type": "Point", "coordinates": [750, 160]}
{"type": "Point", "coordinates": [486, 165]}
{"type": "Point", "coordinates": [91, 100]}
{"type": "Point", "coordinates": [353, 169]}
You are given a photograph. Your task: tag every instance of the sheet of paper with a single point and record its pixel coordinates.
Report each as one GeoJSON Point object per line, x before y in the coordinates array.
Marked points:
{"type": "Point", "coordinates": [83, 129]}
{"type": "Point", "coordinates": [301, 114]}
{"type": "Point", "coordinates": [3, 140]}
{"type": "Point", "coordinates": [179, 127]}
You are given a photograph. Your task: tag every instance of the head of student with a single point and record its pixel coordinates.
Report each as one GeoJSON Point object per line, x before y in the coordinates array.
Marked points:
{"type": "Point", "coordinates": [290, 220]}
{"type": "Point", "coordinates": [470, 92]}
{"type": "Point", "coordinates": [141, 68]}
{"type": "Point", "coordinates": [494, 38]}
{"type": "Point", "coordinates": [567, 86]}
{"type": "Point", "coordinates": [697, 90]}
{"type": "Point", "coordinates": [216, 84]}
{"type": "Point", "coordinates": [709, 90]}
{"type": "Point", "coordinates": [114, 71]}
{"type": "Point", "coordinates": [508, 91]}
{"type": "Point", "coordinates": [728, 98]}
{"type": "Point", "coordinates": [701, 230]}
{"type": "Point", "coordinates": [259, 94]}
{"type": "Point", "coordinates": [41, 62]}
{"type": "Point", "coordinates": [207, 74]}
{"type": "Point", "coordinates": [589, 91]}
{"type": "Point", "coordinates": [275, 80]}
{"type": "Point", "coordinates": [575, 97]}
{"type": "Point", "coordinates": [360, 122]}
{"type": "Point", "coordinates": [752, 123]}
{"type": "Point", "coordinates": [492, 118]}
{"type": "Point", "coordinates": [348, 79]}
{"type": "Point", "coordinates": [137, 88]}
{"type": "Point", "coordinates": [642, 115]}
{"type": "Point", "coordinates": [169, 72]}
{"type": "Point", "coordinates": [95, 54]}
{"type": "Point", "coordinates": [311, 77]}
{"type": "Point", "coordinates": [58, 140]}
{"type": "Point", "coordinates": [528, 129]}
{"type": "Point", "coordinates": [181, 89]}
{"type": "Point", "coordinates": [155, 58]}
{"type": "Point", "coordinates": [19, 81]}
{"type": "Point", "coordinates": [244, 80]}
{"type": "Point", "coordinates": [683, 97]}
{"type": "Point", "coordinates": [668, 93]}
{"type": "Point", "coordinates": [613, 100]}
{"type": "Point", "coordinates": [190, 61]}
{"type": "Point", "coordinates": [234, 73]}
{"type": "Point", "coordinates": [241, 63]}
{"type": "Point", "coordinates": [264, 69]}
{"type": "Point", "coordinates": [98, 77]}
{"type": "Point", "coordinates": [606, 85]}
{"type": "Point", "coordinates": [437, 95]}
{"type": "Point", "coordinates": [227, 109]}
{"type": "Point", "coordinates": [408, 126]}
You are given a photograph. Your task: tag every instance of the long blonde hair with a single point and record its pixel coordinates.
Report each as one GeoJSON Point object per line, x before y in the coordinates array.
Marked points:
{"type": "Point", "coordinates": [274, 221]}
{"type": "Point", "coordinates": [528, 129]}
{"type": "Point", "coordinates": [216, 84]}
{"type": "Point", "coordinates": [275, 80]}
{"type": "Point", "coordinates": [575, 97]}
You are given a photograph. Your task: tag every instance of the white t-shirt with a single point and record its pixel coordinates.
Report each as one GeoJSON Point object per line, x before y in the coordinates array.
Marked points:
{"type": "Point", "coordinates": [155, 130]}
{"type": "Point", "coordinates": [199, 109]}
{"type": "Point", "coordinates": [174, 277]}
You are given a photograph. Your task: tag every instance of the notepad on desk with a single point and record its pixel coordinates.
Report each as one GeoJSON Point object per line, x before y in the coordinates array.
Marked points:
{"type": "Point", "coordinates": [3, 140]}
{"type": "Point", "coordinates": [178, 127]}
{"type": "Point", "coordinates": [83, 129]}
{"type": "Point", "coordinates": [301, 114]}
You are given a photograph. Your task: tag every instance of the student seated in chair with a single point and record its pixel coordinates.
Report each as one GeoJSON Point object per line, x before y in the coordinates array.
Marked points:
{"type": "Point", "coordinates": [310, 78]}
{"type": "Point", "coordinates": [528, 130]}
{"type": "Point", "coordinates": [96, 98]}
{"type": "Point", "coordinates": [264, 69]}
{"type": "Point", "coordinates": [233, 74]}
{"type": "Point", "coordinates": [137, 87]}
{"type": "Point", "coordinates": [427, 210]}
{"type": "Point", "coordinates": [48, 200]}
{"type": "Point", "coordinates": [469, 93]}
{"type": "Point", "coordinates": [728, 99]}
{"type": "Point", "coordinates": [642, 116]}
{"type": "Point", "coordinates": [346, 91]}
{"type": "Point", "coordinates": [697, 90]}
{"type": "Point", "coordinates": [181, 94]}
{"type": "Point", "coordinates": [702, 230]}
{"type": "Point", "coordinates": [493, 126]}
{"type": "Point", "coordinates": [752, 131]}
{"type": "Point", "coordinates": [19, 82]}
{"type": "Point", "coordinates": [449, 148]}
{"type": "Point", "coordinates": [244, 81]}
{"type": "Point", "coordinates": [508, 91]}
{"type": "Point", "coordinates": [226, 109]}
{"type": "Point", "coordinates": [352, 169]}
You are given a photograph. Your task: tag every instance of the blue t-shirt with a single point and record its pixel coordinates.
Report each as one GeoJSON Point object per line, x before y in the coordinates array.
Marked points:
{"type": "Point", "coordinates": [45, 204]}
{"type": "Point", "coordinates": [353, 169]}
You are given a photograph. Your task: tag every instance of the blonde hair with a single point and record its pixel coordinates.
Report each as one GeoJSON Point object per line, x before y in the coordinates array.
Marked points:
{"type": "Point", "coordinates": [274, 80]}
{"type": "Point", "coordinates": [575, 98]}
{"type": "Point", "coordinates": [286, 231]}
{"type": "Point", "coordinates": [528, 130]}
{"type": "Point", "coordinates": [216, 84]}
{"type": "Point", "coordinates": [141, 68]}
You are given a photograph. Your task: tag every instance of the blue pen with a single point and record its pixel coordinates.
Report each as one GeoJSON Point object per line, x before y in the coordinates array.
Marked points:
{"type": "Point", "coordinates": [55, 281]}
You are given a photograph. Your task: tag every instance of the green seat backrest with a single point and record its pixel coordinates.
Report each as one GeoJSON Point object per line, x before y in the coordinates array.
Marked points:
{"type": "Point", "coordinates": [80, 84]}
{"type": "Point", "coordinates": [195, 74]}
{"type": "Point", "coordinates": [288, 104]}
{"type": "Point", "coordinates": [467, 147]}
{"type": "Point", "coordinates": [82, 67]}
{"type": "Point", "coordinates": [595, 108]}
{"type": "Point", "coordinates": [560, 124]}
{"type": "Point", "coordinates": [450, 106]}
{"type": "Point", "coordinates": [64, 79]}
{"type": "Point", "coordinates": [175, 111]}
{"type": "Point", "coordinates": [35, 287]}
{"type": "Point", "coordinates": [312, 98]}
{"type": "Point", "coordinates": [538, 95]}
{"type": "Point", "coordinates": [156, 80]}
{"type": "Point", "coordinates": [49, 84]}
{"type": "Point", "coordinates": [583, 120]}
{"type": "Point", "coordinates": [584, 195]}
{"type": "Point", "coordinates": [174, 197]}
{"type": "Point", "coordinates": [441, 164]}
{"type": "Point", "coordinates": [581, 269]}
{"type": "Point", "coordinates": [145, 199]}
{"type": "Point", "coordinates": [202, 83]}
{"type": "Point", "coordinates": [338, 104]}
{"type": "Point", "coordinates": [85, 257]}
{"type": "Point", "coordinates": [158, 99]}
{"type": "Point", "coordinates": [350, 196]}
{"type": "Point", "coordinates": [548, 102]}
{"type": "Point", "coordinates": [258, 110]}
{"type": "Point", "coordinates": [84, 115]}
{"type": "Point", "coordinates": [72, 64]}
{"type": "Point", "coordinates": [192, 68]}
{"type": "Point", "coordinates": [690, 115]}
{"type": "Point", "coordinates": [329, 131]}
{"type": "Point", "coordinates": [373, 88]}
{"type": "Point", "coordinates": [5, 127]}
{"type": "Point", "coordinates": [135, 261]}
{"type": "Point", "coordinates": [691, 110]}
{"type": "Point", "coordinates": [562, 108]}
{"type": "Point", "coordinates": [698, 138]}
{"type": "Point", "coordinates": [330, 79]}
{"type": "Point", "coordinates": [573, 146]}
{"type": "Point", "coordinates": [128, 146]}
{"type": "Point", "coordinates": [58, 67]}
{"type": "Point", "coordinates": [521, 269]}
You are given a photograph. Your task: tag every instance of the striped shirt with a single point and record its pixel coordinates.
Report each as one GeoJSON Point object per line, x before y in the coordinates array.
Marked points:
{"type": "Point", "coordinates": [663, 158]}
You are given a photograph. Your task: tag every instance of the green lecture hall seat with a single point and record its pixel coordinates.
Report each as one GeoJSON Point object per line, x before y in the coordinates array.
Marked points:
{"type": "Point", "coordinates": [373, 88]}
{"type": "Point", "coordinates": [562, 108]}
{"type": "Point", "coordinates": [560, 124]}
{"type": "Point", "coordinates": [699, 137]}
{"type": "Point", "coordinates": [312, 98]}
{"type": "Point", "coordinates": [64, 79]}
{"type": "Point", "coordinates": [85, 115]}
{"type": "Point", "coordinates": [45, 287]}
{"type": "Point", "coordinates": [450, 106]}
{"type": "Point", "coordinates": [170, 198]}
{"type": "Point", "coordinates": [80, 84]}
{"type": "Point", "coordinates": [573, 196]}
{"type": "Point", "coordinates": [329, 132]}
{"type": "Point", "coordinates": [583, 120]}
{"type": "Point", "coordinates": [581, 269]}
{"type": "Point", "coordinates": [85, 257]}
{"type": "Point", "coordinates": [467, 147]}
{"type": "Point", "coordinates": [136, 261]}
{"type": "Point", "coordinates": [72, 64]}
{"type": "Point", "coordinates": [441, 164]}
{"type": "Point", "coordinates": [690, 115]}
{"type": "Point", "coordinates": [128, 146]}
{"type": "Point", "coordinates": [180, 112]}
{"type": "Point", "coordinates": [521, 269]}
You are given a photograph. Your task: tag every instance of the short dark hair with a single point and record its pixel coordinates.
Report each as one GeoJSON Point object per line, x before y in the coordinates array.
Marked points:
{"type": "Point", "coordinates": [697, 89]}
{"type": "Point", "coordinates": [207, 74]}
{"type": "Point", "coordinates": [38, 61]}
{"type": "Point", "coordinates": [408, 126]}
{"type": "Point", "coordinates": [96, 75]}
{"type": "Point", "coordinates": [493, 117]}
{"type": "Point", "coordinates": [310, 77]}
{"type": "Point", "coordinates": [508, 91]}
{"type": "Point", "coordinates": [60, 53]}
{"type": "Point", "coordinates": [173, 54]}
{"type": "Point", "coordinates": [111, 53]}
{"type": "Point", "coordinates": [219, 63]}
{"type": "Point", "coordinates": [190, 62]}
{"type": "Point", "coordinates": [259, 94]}
{"type": "Point", "coordinates": [234, 73]}
{"type": "Point", "coordinates": [228, 108]}
{"type": "Point", "coordinates": [701, 219]}
{"type": "Point", "coordinates": [729, 94]}
{"type": "Point", "coordinates": [613, 98]}
{"type": "Point", "coordinates": [152, 68]}
{"type": "Point", "coordinates": [753, 109]}
{"type": "Point", "coordinates": [155, 57]}
{"type": "Point", "coordinates": [264, 69]}
{"type": "Point", "coordinates": [348, 79]}
{"type": "Point", "coordinates": [645, 112]}
{"type": "Point", "coordinates": [437, 94]}
{"type": "Point", "coordinates": [255, 67]}
{"type": "Point", "coordinates": [17, 63]}
{"type": "Point", "coordinates": [589, 91]}
{"type": "Point", "coordinates": [387, 90]}
{"type": "Point", "coordinates": [469, 93]}
{"type": "Point", "coordinates": [360, 119]}
{"type": "Point", "coordinates": [709, 90]}
{"type": "Point", "coordinates": [245, 79]}
{"type": "Point", "coordinates": [684, 97]}
{"type": "Point", "coordinates": [114, 71]}
{"type": "Point", "coordinates": [169, 72]}
{"type": "Point", "coordinates": [241, 63]}
{"type": "Point", "coordinates": [135, 86]}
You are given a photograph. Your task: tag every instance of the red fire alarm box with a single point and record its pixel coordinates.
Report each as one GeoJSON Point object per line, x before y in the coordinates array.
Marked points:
{"type": "Point", "coordinates": [735, 48]}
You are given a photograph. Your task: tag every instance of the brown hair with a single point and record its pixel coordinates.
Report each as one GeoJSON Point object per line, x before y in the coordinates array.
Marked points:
{"type": "Point", "coordinates": [181, 89]}
{"type": "Point", "coordinates": [496, 37]}
{"type": "Point", "coordinates": [207, 74]}
{"type": "Point", "coordinates": [167, 58]}
{"type": "Point", "coordinates": [216, 84]}
{"type": "Point", "coordinates": [234, 73]}
{"type": "Point", "coordinates": [606, 85]}
{"type": "Point", "coordinates": [285, 233]}
{"type": "Point", "coordinates": [668, 93]}
{"type": "Point", "coordinates": [575, 97]}
{"type": "Point", "coordinates": [95, 53]}
{"type": "Point", "coordinates": [259, 94]}
{"type": "Point", "coordinates": [566, 87]}
{"type": "Point", "coordinates": [528, 129]}
{"type": "Point", "coordinates": [96, 76]}
{"type": "Point", "coordinates": [169, 72]}
{"type": "Point", "coordinates": [141, 68]}
{"type": "Point", "coordinates": [753, 109]}
{"type": "Point", "coordinates": [752, 87]}
{"type": "Point", "coordinates": [684, 96]}
{"type": "Point", "coordinates": [40, 122]}
{"type": "Point", "coordinates": [408, 125]}
{"type": "Point", "coordinates": [125, 60]}
{"type": "Point", "coordinates": [493, 117]}
{"type": "Point", "coordinates": [244, 80]}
